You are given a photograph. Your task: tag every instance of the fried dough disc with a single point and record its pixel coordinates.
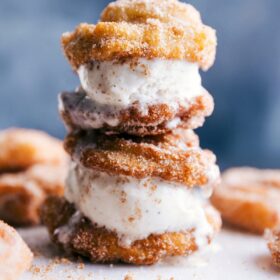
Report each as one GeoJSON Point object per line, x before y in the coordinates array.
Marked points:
{"type": "Point", "coordinates": [158, 29]}
{"type": "Point", "coordinates": [168, 156]}
{"type": "Point", "coordinates": [15, 256]}
{"type": "Point", "coordinates": [140, 11]}
{"type": "Point", "coordinates": [80, 112]}
{"type": "Point", "coordinates": [21, 148]}
{"type": "Point", "coordinates": [273, 239]}
{"type": "Point", "coordinates": [249, 198]}
{"type": "Point", "coordinates": [22, 193]}
{"type": "Point", "coordinates": [32, 166]}
{"type": "Point", "coordinates": [101, 245]}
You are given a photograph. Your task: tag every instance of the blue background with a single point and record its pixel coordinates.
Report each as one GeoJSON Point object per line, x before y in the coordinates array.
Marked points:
{"type": "Point", "coordinates": [245, 80]}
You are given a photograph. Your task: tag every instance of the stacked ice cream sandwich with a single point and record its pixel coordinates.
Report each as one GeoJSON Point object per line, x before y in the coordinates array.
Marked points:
{"type": "Point", "coordinates": [138, 186]}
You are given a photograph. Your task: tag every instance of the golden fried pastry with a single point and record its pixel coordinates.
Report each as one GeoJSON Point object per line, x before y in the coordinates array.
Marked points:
{"type": "Point", "coordinates": [15, 256]}
{"type": "Point", "coordinates": [21, 148]}
{"type": "Point", "coordinates": [32, 166]}
{"type": "Point", "coordinates": [166, 156]}
{"type": "Point", "coordinates": [77, 234]}
{"type": "Point", "coordinates": [249, 198]}
{"type": "Point", "coordinates": [273, 239]}
{"type": "Point", "coordinates": [79, 112]}
{"type": "Point", "coordinates": [140, 11]}
{"type": "Point", "coordinates": [130, 29]}
{"type": "Point", "coordinates": [22, 193]}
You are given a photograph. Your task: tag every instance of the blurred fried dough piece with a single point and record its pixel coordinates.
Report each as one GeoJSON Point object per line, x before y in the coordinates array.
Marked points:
{"type": "Point", "coordinates": [22, 193]}
{"type": "Point", "coordinates": [168, 156]}
{"type": "Point", "coordinates": [101, 245]}
{"type": "Point", "coordinates": [273, 242]}
{"type": "Point", "coordinates": [15, 256]}
{"type": "Point", "coordinates": [118, 40]}
{"type": "Point", "coordinates": [79, 112]}
{"type": "Point", "coordinates": [32, 166]}
{"type": "Point", "coordinates": [21, 148]}
{"type": "Point", "coordinates": [249, 198]}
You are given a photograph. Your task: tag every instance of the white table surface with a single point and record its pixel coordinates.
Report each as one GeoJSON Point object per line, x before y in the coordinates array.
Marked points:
{"type": "Point", "coordinates": [234, 255]}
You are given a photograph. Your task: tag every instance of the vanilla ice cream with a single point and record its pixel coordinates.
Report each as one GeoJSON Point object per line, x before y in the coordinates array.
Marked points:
{"type": "Point", "coordinates": [135, 208]}
{"type": "Point", "coordinates": [123, 83]}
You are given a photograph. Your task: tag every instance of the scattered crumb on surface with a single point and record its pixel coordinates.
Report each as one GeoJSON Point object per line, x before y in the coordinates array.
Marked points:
{"type": "Point", "coordinates": [45, 272]}
{"type": "Point", "coordinates": [129, 276]}
{"type": "Point", "coordinates": [35, 269]}
{"type": "Point", "coordinates": [81, 265]}
{"type": "Point", "coordinates": [62, 261]}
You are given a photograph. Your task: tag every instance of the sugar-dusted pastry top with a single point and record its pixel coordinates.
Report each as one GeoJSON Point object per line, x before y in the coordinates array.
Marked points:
{"type": "Point", "coordinates": [171, 157]}
{"type": "Point", "coordinates": [140, 11]}
{"type": "Point", "coordinates": [151, 29]}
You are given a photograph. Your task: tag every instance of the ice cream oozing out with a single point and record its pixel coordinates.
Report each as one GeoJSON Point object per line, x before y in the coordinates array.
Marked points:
{"type": "Point", "coordinates": [135, 208]}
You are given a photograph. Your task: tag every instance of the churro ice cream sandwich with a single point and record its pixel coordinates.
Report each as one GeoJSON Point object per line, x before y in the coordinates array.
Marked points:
{"type": "Point", "coordinates": [138, 184]}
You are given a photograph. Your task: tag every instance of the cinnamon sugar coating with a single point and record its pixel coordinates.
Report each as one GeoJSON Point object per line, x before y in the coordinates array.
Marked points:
{"type": "Point", "coordinates": [15, 256]}
{"type": "Point", "coordinates": [101, 245]}
{"type": "Point", "coordinates": [79, 112]}
{"type": "Point", "coordinates": [249, 198]}
{"type": "Point", "coordinates": [22, 193]}
{"type": "Point", "coordinates": [32, 166]}
{"type": "Point", "coordinates": [21, 148]}
{"type": "Point", "coordinates": [167, 156]}
{"type": "Point", "coordinates": [273, 243]}
{"type": "Point", "coordinates": [140, 11]}
{"type": "Point", "coordinates": [139, 29]}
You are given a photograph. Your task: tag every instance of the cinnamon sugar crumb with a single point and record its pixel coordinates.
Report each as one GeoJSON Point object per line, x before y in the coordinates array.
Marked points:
{"type": "Point", "coordinates": [129, 276]}
{"type": "Point", "coordinates": [35, 269]}
{"type": "Point", "coordinates": [81, 265]}
{"type": "Point", "coordinates": [123, 197]}
{"type": "Point", "coordinates": [131, 219]}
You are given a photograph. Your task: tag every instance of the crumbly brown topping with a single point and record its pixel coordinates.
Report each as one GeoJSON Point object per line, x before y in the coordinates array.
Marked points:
{"type": "Point", "coordinates": [159, 156]}
{"type": "Point", "coordinates": [151, 29]}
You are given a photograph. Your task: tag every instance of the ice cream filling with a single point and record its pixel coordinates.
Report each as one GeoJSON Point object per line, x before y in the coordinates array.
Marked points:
{"type": "Point", "coordinates": [135, 208]}
{"type": "Point", "coordinates": [123, 83]}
